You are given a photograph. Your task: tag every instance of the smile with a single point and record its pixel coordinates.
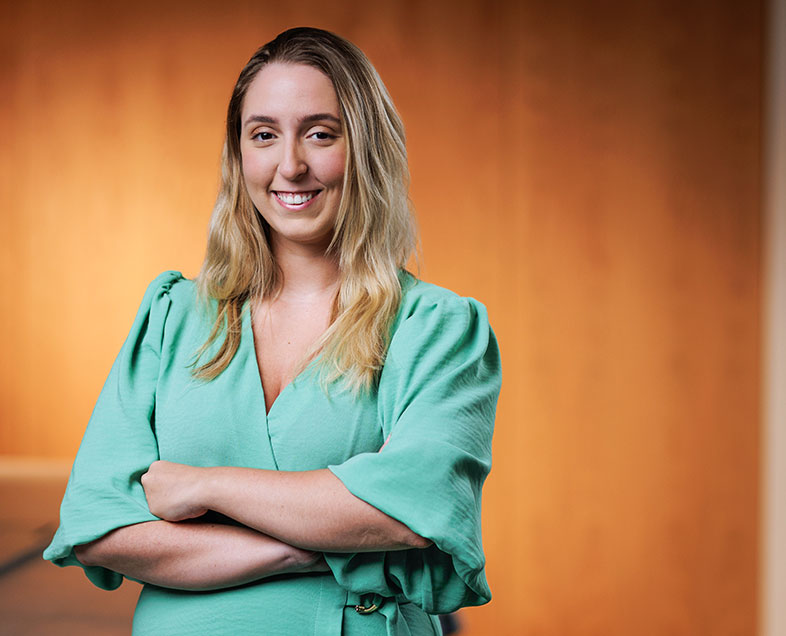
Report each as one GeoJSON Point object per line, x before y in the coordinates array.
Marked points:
{"type": "Point", "coordinates": [295, 198]}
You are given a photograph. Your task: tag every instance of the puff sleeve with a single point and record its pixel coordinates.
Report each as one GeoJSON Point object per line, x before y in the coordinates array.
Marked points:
{"type": "Point", "coordinates": [437, 400]}
{"type": "Point", "coordinates": [104, 491]}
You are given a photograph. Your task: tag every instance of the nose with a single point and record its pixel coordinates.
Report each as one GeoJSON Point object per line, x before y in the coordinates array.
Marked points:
{"type": "Point", "coordinates": [292, 165]}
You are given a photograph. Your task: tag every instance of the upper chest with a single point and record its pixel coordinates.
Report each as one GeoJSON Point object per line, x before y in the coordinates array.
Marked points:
{"type": "Point", "coordinates": [284, 332]}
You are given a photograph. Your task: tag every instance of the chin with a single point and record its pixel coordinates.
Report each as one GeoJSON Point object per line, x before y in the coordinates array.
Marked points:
{"type": "Point", "coordinates": [305, 238]}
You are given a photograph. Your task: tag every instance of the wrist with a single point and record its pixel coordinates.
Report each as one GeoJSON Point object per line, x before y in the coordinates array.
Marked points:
{"type": "Point", "coordinates": [299, 560]}
{"type": "Point", "coordinates": [207, 483]}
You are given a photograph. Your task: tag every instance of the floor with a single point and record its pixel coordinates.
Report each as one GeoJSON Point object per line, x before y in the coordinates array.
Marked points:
{"type": "Point", "coordinates": [36, 597]}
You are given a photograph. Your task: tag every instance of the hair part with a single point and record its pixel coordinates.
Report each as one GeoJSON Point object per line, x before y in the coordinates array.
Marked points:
{"type": "Point", "coordinates": [374, 234]}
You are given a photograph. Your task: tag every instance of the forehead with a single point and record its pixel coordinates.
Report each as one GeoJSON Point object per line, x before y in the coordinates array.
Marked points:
{"type": "Point", "coordinates": [280, 90]}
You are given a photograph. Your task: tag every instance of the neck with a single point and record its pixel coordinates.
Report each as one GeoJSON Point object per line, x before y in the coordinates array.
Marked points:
{"type": "Point", "coordinates": [307, 269]}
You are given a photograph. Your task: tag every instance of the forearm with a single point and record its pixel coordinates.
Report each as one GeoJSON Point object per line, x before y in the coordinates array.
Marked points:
{"type": "Point", "coordinates": [194, 555]}
{"type": "Point", "coordinates": [310, 509]}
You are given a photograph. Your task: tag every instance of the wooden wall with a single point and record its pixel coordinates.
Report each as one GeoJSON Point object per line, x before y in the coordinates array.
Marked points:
{"type": "Point", "coordinates": [589, 170]}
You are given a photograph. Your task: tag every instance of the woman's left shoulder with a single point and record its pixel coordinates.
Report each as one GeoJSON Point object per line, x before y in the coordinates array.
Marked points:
{"type": "Point", "coordinates": [422, 300]}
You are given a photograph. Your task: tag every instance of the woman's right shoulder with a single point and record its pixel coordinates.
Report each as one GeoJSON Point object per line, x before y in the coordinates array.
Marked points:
{"type": "Point", "coordinates": [172, 288]}
{"type": "Point", "coordinates": [171, 283]}
{"type": "Point", "coordinates": [170, 298]}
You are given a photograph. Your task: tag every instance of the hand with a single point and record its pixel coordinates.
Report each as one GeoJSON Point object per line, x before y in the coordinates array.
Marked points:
{"type": "Point", "coordinates": [173, 490]}
{"type": "Point", "coordinates": [315, 562]}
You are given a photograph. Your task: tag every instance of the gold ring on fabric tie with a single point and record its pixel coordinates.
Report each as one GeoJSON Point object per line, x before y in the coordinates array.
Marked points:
{"type": "Point", "coordinates": [361, 609]}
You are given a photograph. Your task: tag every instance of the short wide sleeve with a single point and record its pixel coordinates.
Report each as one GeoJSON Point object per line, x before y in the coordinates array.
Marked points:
{"type": "Point", "coordinates": [437, 400]}
{"type": "Point", "coordinates": [104, 491]}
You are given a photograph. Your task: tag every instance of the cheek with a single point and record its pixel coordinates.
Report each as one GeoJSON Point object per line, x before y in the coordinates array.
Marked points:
{"type": "Point", "coordinates": [256, 171]}
{"type": "Point", "coordinates": [331, 168]}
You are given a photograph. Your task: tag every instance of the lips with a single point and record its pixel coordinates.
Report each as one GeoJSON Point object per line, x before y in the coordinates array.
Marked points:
{"type": "Point", "coordinates": [295, 199]}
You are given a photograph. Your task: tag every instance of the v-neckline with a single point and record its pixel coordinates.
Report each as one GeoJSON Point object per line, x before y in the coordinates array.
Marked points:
{"type": "Point", "coordinates": [248, 326]}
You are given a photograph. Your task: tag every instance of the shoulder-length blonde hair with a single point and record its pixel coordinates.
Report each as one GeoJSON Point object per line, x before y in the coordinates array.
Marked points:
{"type": "Point", "coordinates": [374, 234]}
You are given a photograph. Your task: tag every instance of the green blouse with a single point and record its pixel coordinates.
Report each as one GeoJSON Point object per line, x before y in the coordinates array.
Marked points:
{"type": "Point", "coordinates": [435, 400]}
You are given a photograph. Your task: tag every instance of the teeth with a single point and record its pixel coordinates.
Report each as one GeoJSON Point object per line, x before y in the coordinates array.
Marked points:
{"type": "Point", "coordinates": [294, 198]}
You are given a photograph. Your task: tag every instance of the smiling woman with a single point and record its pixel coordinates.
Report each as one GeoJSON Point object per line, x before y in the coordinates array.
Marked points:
{"type": "Point", "coordinates": [307, 456]}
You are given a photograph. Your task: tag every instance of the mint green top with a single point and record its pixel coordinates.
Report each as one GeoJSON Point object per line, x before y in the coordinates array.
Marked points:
{"type": "Point", "coordinates": [436, 399]}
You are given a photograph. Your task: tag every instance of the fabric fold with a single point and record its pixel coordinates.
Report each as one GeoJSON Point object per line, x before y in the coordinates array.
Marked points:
{"type": "Point", "coordinates": [437, 400]}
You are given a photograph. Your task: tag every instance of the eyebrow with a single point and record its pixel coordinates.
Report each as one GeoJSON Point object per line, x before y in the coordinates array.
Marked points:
{"type": "Point", "coordinates": [308, 119]}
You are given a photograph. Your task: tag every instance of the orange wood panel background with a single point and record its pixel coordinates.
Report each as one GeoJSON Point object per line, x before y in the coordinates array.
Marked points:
{"type": "Point", "coordinates": [590, 171]}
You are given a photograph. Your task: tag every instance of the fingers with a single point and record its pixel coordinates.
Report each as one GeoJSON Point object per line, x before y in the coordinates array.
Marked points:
{"type": "Point", "coordinates": [170, 491]}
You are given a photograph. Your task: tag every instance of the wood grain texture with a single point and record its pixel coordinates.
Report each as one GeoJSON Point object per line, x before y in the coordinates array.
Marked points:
{"type": "Point", "coordinates": [590, 171]}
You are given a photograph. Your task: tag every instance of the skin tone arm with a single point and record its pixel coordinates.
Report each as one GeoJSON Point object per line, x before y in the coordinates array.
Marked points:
{"type": "Point", "coordinates": [195, 555]}
{"type": "Point", "coordinates": [312, 509]}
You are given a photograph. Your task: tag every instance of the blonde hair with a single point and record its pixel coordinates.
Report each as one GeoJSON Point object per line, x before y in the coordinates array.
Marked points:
{"type": "Point", "coordinates": [374, 234]}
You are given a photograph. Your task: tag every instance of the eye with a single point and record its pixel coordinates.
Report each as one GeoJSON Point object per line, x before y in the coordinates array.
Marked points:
{"type": "Point", "coordinates": [262, 135]}
{"type": "Point", "coordinates": [321, 135]}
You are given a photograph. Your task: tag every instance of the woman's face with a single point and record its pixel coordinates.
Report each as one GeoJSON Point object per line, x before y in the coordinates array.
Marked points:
{"type": "Point", "coordinates": [293, 150]}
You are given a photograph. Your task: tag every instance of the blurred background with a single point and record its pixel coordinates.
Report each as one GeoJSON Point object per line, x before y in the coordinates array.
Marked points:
{"type": "Point", "coordinates": [595, 172]}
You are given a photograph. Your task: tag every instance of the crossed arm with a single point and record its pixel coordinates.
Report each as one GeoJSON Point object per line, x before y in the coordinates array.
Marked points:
{"type": "Point", "coordinates": [288, 519]}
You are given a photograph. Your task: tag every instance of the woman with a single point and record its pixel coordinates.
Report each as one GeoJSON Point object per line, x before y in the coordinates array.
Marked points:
{"type": "Point", "coordinates": [295, 443]}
